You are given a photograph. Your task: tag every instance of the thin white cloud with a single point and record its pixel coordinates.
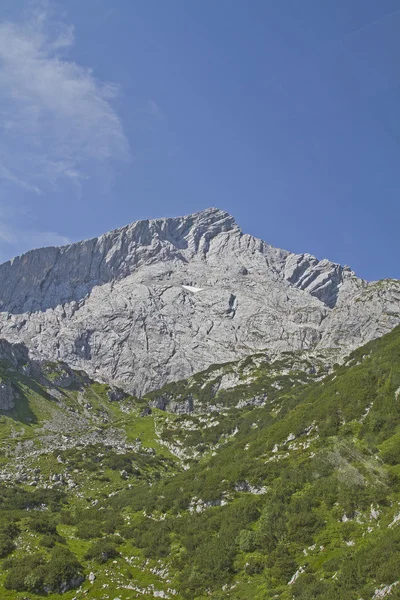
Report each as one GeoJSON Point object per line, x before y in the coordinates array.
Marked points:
{"type": "Point", "coordinates": [154, 110]}
{"type": "Point", "coordinates": [7, 175]}
{"type": "Point", "coordinates": [56, 118]}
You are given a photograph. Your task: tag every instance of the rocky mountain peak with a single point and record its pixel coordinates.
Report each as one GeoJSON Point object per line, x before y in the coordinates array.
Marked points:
{"type": "Point", "coordinates": [51, 276]}
{"type": "Point", "coordinates": [178, 231]}
{"type": "Point", "coordinates": [160, 299]}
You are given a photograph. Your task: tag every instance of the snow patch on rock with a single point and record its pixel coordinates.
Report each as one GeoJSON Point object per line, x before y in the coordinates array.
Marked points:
{"type": "Point", "coordinates": [191, 288]}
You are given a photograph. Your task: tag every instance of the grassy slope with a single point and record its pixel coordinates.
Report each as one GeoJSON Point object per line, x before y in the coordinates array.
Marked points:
{"type": "Point", "coordinates": [319, 462]}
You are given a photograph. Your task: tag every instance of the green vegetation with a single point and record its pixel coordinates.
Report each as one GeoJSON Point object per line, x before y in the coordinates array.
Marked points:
{"type": "Point", "coordinates": [33, 573]}
{"type": "Point", "coordinates": [295, 495]}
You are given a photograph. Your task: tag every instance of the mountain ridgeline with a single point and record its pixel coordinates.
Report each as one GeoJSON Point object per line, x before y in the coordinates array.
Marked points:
{"type": "Point", "coordinates": [158, 301]}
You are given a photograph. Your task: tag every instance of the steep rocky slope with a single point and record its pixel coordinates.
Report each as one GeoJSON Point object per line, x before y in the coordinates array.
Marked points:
{"type": "Point", "coordinates": [159, 300]}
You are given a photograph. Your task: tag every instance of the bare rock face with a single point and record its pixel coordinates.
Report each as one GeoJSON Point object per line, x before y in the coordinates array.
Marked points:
{"type": "Point", "coordinates": [116, 395]}
{"type": "Point", "coordinates": [7, 401]}
{"type": "Point", "coordinates": [159, 300]}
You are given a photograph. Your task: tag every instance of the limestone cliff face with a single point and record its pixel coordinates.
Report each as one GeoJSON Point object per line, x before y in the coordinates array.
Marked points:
{"type": "Point", "coordinates": [159, 300]}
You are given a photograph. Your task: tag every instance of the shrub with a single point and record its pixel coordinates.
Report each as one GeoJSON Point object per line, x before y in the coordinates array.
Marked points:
{"type": "Point", "coordinates": [42, 523]}
{"type": "Point", "coordinates": [25, 573]}
{"type": "Point", "coordinates": [63, 569]}
{"type": "Point", "coordinates": [88, 530]}
{"type": "Point", "coordinates": [6, 546]}
{"type": "Point", "coordinates": [49, 540]}
{"type": "Point", "coordinates": [33, 574]}
{"type": "Point", "coordinates": [102, 550]}
{"type": "Point", "coordinates": [246, 540]}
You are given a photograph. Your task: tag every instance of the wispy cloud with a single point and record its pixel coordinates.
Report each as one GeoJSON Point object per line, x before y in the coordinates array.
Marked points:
{"type": "Point", "coordinates": [7, 175]}
{"type": "Point", "coordinates": [154, 110]}
{"type": "Point", "coordinates": [56, 118]}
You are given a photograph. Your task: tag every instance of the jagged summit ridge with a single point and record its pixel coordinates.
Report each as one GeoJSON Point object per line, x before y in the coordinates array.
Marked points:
{"type": "Point", "coordinates": [160, 299]}
{"type": "Point", "coordinates": [55, 275]}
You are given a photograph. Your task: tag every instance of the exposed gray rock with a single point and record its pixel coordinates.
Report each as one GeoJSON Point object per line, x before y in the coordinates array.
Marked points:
{"type": "Point", "coordinates": [161, 402]}
{"type": "Point", "coordinates": [157, 301]}
{"type": "Point", "coordinates": [7, 401]}
{"type": "Point", "coordinates": [63, 379]}
{"type": "Point", "coordinates": [184, 407]}
{"type": "Point", "coordinates": [181, 406]}
{"type": "Point", "coordinates": [245, 486]}
{"type": "Point", "coordinates": [254, 401]}
{"type": "Point", "coordinates": [116, 394]}
{"type": "Point", "coordinates": [58, 374]}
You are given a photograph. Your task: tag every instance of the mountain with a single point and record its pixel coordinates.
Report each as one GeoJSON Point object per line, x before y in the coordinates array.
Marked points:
{"type": "Point", "coordinates": [160, 300]}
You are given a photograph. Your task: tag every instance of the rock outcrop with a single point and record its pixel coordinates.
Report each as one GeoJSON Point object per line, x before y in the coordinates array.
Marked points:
{"type": "Point", "coordinates": [7, 401]}
{"type": "Point", "coordinates": [159, 300]}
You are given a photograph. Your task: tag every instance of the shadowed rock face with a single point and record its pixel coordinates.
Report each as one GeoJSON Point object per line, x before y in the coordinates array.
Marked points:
{"type": "Point", "coordinates": [6, 396]}
{"type": "Point", "coordinates": [159, 300]}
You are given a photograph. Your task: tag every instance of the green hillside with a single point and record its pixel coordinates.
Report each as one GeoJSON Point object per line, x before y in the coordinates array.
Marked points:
{"type": "Point", "coordinates": [253, 480]}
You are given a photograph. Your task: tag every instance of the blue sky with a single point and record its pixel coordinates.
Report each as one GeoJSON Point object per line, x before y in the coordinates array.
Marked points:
{"type": "Point", "coordinates": [285, 114]}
